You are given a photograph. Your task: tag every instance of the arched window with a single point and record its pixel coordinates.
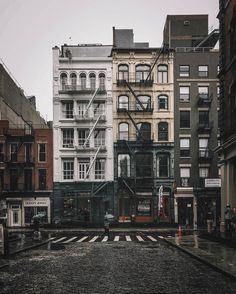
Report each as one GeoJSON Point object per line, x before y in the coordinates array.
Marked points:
{"type": "Point", "coordinates": [142, 72]}
{"type": "Point", "coordinates": [63, 81]}
{"type": "Point", "coordinates": [162, 74]}
{"type": "Point", "coordinates": [92, 79]}
{"type": "Point", "coordinates": [163, 102]}
{"type": "Point", "coordinates": [73, 80]}
{"type": "Point", "coordinates": [123, 165]}
{"type": "Point", "coordinates": [145, 101]}
{"type": "Point", "coordinates": [123, 131]}
{"type": "Point", "coordinates": [163, 131]}
{"type": "Point", "coordinates": [102, 82]}
{"type": "Point", "coordinates": [163, 165]}
{"type": "Point", "coordinates": [123, 102]}
{"type": "Point", "coordinates": [83, 81]}
{"type": "Point", "coordinates": [123, 72]}
{"type": "Point", "coordinates": [144, 131]}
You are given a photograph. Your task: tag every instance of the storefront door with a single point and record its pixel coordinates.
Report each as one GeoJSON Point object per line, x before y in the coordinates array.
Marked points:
{"type": "Point", "coordinates": [15, 216]}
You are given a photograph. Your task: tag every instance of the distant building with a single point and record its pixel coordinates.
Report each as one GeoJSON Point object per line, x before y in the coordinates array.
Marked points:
{"type": "Point", "coordinates": [82, 130]}
{"type": "Point", "coordinates": [196, 90]}
{"type": "Point", "coordinates": [227, 76]}
{"type": "Point", "coordinates": [143, 124]}
{"type": "Point", "coordinates": [25, 157]}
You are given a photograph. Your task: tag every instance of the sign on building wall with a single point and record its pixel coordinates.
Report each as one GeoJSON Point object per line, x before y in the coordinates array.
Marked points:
{"type": "Point", "coordinates": [212, 183]}
{"type": "Point", "coordinates": [36, 202]}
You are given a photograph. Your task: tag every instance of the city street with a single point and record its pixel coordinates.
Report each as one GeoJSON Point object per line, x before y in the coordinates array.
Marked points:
{"type": "Point", "coordinates": [130, 262]}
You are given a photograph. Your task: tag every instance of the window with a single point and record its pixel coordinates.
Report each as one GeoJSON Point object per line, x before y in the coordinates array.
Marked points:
{"type": "Point", "coordinates": [123, 102]}
{"type": "Point", "coordinates": [123, 165]}
{"type": "Point", "coordinates": [82, 78]}
{"type": "Point", "coordinates": [184, 71]}
{"type": "Point", "coordinates": [204, 117]}
{"type": "Point", "coordinates": [69, 207]}
{"type": "Point", "coordinates": [203, 147]}
{"type": "Point", "coordinates": [67, 109]}
{"type": "Point", "coordinates": [28, 179]}
{"type": "Point", "coordinates": [145, 101]}
{"type": "Point", "coordinates": [144, 131]}
{"type": "Point", "coordinates": [203, 172]}
{"type": "Point", "coordinates": [184, 95]}
{"type": "Point", "coordinates": [42, 152]}
{"type": "Point", "coordinates": [1, 179]}
{"type": "Point", "coordinates": [63, 81]}
{"type": "Point", "coordinates": [99, 138]}
{"type": "Point", "coordinates": [163, 131]}
{"type": "Point", "coordinates": [184, 176]}
{"type": "Point", "coordinates": [123, 131]}
{"type": "Point", "coordinates": [1, 153]}
{"type": "Point", "coordinates": [82, 136]}
{"type": "Point", "coordinates": [203, 71]}
{"type": "Point", "coordinates": [73, 80]}
{"type": "Point", "coordinates": [163, 102]}
{"type": "Point", "coordinates": [102, 82]}
{"type": "Point", "coordinates": [203, 92]}
{"type": "Point", "coordinates": [82, 106]}
{"type": "Point", "coordinates": [68, 138]}
{"type": "Point", "coordinates": [144, 207]}
{"type": "Point", "coordinates": [14, 150]}
{"type": "Point", "coordinates": [28, 152]}
{"type": "Point", "coordinates": [68, 169]}
{"type": "Point", "coordinates": [83, 168]}
{"type": "Point", "coordinates": [184, 119]}
{"type": "Point", "coordinates": [123, 72]}
{"type": "Point", "coordinates": [233, 36]}
{"type": "Point", "coordinates": [100, 169]}
{"type": "Point", "coordinates": [92, 79]}
{"type": "Point", "coordinates": [98, 109]}
{"type": "Point", "coordinates": [162, 74]}
{"type": "Point", "coordinates": [163, 165]}
{"type": "Point", "coordinates": [184, 147]}
{"type": "Point", "coordinates": [218, 91]}
{"type": "Point", "coordinates": [13, 179]}
{"type": "Point", "coordinates": [186, 23]}
{"type": "Point", "coordinates": [144, 164]}
{"type": "Point", "coordinates": [142, 72]}
{"type": "Point", "coordinates": [42, 179]}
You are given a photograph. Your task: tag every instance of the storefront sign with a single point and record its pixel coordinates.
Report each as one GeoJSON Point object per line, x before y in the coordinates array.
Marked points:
{"type": "Point", "coordinates": [212, 183]}
{"type": "Point", "coordinates": [37, 202]}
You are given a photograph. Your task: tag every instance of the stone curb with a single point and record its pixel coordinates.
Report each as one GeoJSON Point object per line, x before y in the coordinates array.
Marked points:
{"type": "Point", "coordinates": [190, 253]}
{"type": "Point", "coordinates": [29, 247]}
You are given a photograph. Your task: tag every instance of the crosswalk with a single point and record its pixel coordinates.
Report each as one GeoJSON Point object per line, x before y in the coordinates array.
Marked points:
{"type": "Point", "coordinates": [102, 238]}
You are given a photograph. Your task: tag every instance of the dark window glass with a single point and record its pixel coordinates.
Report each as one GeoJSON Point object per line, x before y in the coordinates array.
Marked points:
{"type": "Point", "coordinates": [144, 166]}
{"type": "Point", "coordinates": [145, 101]}
{"type": "Point", "coordinates": [144, 131]}
{"type": "Point", "coordinates": [163, 162]}
{"type": "Point", "coordinates": [184, 119]}
{"type": "Point", "coordinates": [42, 152]}
{"type": "Point", "coordinates": [28, 179]}
{"type": "Point", "coordinates": [163, 131]}
{"type": "Point", "coordinates": [203, 117]}
{"type": "Point", "coordinates": [42, 179]}
{"type": "Point", "coordinates": [163, 102]}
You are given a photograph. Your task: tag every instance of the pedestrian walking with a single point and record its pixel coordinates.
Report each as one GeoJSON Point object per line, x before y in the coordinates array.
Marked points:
{"type": "Point", "coordinates": [228, 219]}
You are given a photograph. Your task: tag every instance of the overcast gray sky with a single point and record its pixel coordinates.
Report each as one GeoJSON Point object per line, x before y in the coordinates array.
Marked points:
{"type": "Point", "coordinates": [30, 28]}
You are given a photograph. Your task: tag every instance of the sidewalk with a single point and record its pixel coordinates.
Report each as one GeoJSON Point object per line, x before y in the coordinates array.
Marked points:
{"type": "Point", "coordinates": [215, 253]}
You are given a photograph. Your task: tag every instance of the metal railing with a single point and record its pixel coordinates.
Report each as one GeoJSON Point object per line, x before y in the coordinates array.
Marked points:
{"type": "Point", "coordinates": [141, 79]}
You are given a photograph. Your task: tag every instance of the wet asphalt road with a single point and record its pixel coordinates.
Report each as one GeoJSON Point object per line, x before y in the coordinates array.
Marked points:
{"type": "Point", "coordinates": [111, 267]}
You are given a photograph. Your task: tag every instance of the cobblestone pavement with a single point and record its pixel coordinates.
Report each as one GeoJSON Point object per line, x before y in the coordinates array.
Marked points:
{"type": "Point", "coordinates": [111, 267]}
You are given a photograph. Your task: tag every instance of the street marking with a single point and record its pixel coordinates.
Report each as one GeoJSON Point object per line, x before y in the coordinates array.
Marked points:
{"type": "Point", "coordinates": [82, 239]}
{"type": "Point", "coordinates": [105, 239]}
{"type": "Point", "coordinates": [152, 239]}
{"type": "Point", "coordinates": [59, 240]}
{"type": "Point", "coordinates": [93, 239]}
{"type": "Point", "coordinates": [169, 236]}
{"type": "Point", "coordinates": [51, 238]}
{"type": "Point", "coordinates": [140, 238]}
{"type": "Point", "coordinates": [117, 238]}
{"type": "Point", "coordinates": [160, 237]}
{"type": "Point", "coordinates": [70, 240]}
{"type": "Point", "coordinates": [128, 238]}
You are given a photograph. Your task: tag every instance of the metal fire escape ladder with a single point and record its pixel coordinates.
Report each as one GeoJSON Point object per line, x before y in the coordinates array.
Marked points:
{"type": "Point", "coordinates": [136, 97]}
{"type": "Point", "coordinates": [91, 164]}
{"type": "Point", "coordinates": [90, 102]}
{"type": "Point", "coordinates": [155, 62]}
{"type": "Point", "coordinates": [91, 131]}
{"type": "Point", "coordinates": [132, 120]}
{"type": "Point", "coordinates": [127, 186]}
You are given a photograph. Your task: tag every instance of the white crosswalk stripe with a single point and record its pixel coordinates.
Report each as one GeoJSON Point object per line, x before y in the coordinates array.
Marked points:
{"type": "Point", "coordinates": [93, 239]}
{"type": "Point", "coordinates": [152, 239]}
{"type": "Point", "coordinates": [117, 238]}
{"type": "Point", "coordinates": [128, 238]}
{"type": "Point", "coordinates": [59, 240]}
{"type": "Point", "coordinates": [140, 238]}
{"type": "Point", "coordinates": [52, 238]}
{"type": "Point", "coordinates": [82, 239]}
{"type": "Point", "coordinates": [160, 237]}
{"type": "Point", "coordinates": [105, 239]}
{"type": "Point", "coordinates": [70, 240]}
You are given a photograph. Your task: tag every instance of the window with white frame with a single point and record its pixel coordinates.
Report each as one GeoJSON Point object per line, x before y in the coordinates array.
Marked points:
{"type": "Point", "coordinates": [99, 138]}
{"type": "Point", "coordinates": [203, 92]}
{"type": "Point", "coordinates": [100, 169]}
{"type": "Point", "coordinates": [123, 72]}
{"type": "Point", "coordinates": [82, 106]}
{"type": "Point", "coordinates": [82, 136]}
{"type": "Point", "coordinates": [67, 109]}
{"type": "Point", "coordinates": [163, 102]}
{"type": "Point", "coordinates": [203, 172]}
{"type": "Point", "coordinates": [98, 109]}
{"type": "Point", "coordinates": [184, 93]}
{"type": "Point", "coordinates": [145, 101]}
{"type": "Point", "coordinates": [123, 102]}
{"type": "Point", "coordinates": [203, 147]}
{"type": "Point", "coordinates": [68, 138]}
{"type": "Point", "coordinates": [83, 165]}
{"type": "Point", "coordinates": [92, 79]}
{"type": "Point", "coordinates": [123, 165]}
{"type": "Point", "coordinates": [73, 80]}
{"type": "Point", "coordinates": [184, 71]}
{"type": "Point", "coordinates": [82, 79]}
{"type": "Point", "coordinates": [142, 72]}
{"type": "Point", "coordinates": [184, 147]}
{"type": "Point", "coordinates": [184, 176]}
{"type": "Point", "coordinates": [63, 81]}
{"type": "Point", "coordinates": [68, 169]}
{"type": "Point", "coordinates": [162, 72]}
{"type": "Point", "coordinates": [123, 131]}
{"type": "Point", "coordinates": [42, 152]}
{"type": "Point", "coordinates": [102, 86]}
{"type": "Point", "coordinates": [203, 71]}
